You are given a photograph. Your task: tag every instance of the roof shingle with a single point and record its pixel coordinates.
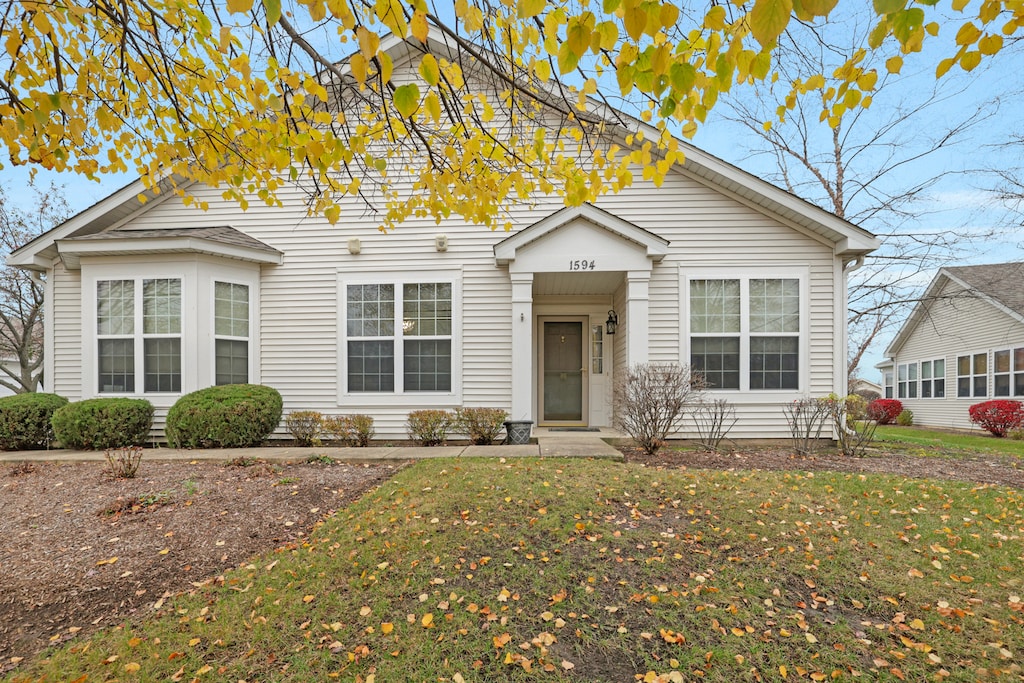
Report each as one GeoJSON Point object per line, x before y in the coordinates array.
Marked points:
{"type": "Point", "coordinates": [1002, 282]}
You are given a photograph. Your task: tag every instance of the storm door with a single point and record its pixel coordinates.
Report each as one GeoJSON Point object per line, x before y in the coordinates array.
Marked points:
{"type": "Point", "coordinates": [564, 372]}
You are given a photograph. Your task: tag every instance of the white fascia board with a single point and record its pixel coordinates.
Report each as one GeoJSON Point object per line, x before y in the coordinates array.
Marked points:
{"type": "Point", "coordinates": [71, 251]}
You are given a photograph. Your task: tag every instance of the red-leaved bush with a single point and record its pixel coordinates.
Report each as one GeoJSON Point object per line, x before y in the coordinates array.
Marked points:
{"type": "Point", "coordinates": [998, 416]}
{"type": "Point", "coordinates": [884, 411]}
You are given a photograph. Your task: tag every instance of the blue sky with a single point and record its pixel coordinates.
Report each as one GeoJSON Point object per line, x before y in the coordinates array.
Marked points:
{"type": "Point", "coordinates": [959, 202]}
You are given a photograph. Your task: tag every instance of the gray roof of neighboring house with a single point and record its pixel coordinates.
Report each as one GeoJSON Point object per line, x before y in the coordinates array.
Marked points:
{"type": "Point", "coordinates": [1002, 282]}
{"type": "Point", "coordinates": [223, 234]}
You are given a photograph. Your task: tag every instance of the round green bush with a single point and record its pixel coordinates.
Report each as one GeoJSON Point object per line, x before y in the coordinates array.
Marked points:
{"type": "Point", "coordinates": [100, 423]}
{"type": "Point", "coordinates": [25, 420]}
{"type": "Point", "coordinates": [228, 416]}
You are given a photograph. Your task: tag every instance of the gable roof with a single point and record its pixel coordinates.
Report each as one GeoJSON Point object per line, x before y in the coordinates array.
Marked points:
{"type": "Point", "coordinates": [848, 240]}
{"type": "Point", "coordinates": [998, 284]}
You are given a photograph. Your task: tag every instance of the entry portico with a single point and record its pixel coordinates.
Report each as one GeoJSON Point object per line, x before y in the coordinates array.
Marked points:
{"type": "Point", "coordinates": [567, 272]}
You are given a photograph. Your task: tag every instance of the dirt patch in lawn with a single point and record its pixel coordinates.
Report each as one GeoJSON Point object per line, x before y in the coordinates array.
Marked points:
{"type": "Point", "coordinates": [80, 550]}
{"type": "Point", "coordinates": [990, 469]}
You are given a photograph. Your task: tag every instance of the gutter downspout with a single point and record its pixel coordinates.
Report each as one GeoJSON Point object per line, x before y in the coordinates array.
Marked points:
{"type": "Point", "coordinates": [848, 268]}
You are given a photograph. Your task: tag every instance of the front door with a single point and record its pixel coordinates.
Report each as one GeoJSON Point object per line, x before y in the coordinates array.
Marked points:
{"type": "Point", "coordinates": [564, 372]}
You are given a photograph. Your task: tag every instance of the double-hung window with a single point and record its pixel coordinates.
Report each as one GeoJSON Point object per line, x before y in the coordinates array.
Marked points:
{"type": "Point", "coordinates": [906, 380]}
{"type": "Point", "coordinates": [933, 378]}
{"type": "Point", "coordinates": [138, 326]}
{"type": "Point", "coordinates": [745, 333]}
{"type": "Point", "coordinates": [972, 376]}
{"type": "Point", "coordinates": [887, 380]}
{"type": "Point", "coordinates": [399, 337]}
{"type": "Point", "coordinates": [1008, 372]}
{"type": "Point", "coordinates": [231, 333]}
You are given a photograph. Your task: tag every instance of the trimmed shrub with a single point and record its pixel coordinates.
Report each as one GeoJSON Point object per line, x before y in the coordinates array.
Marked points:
{"type": "Point", "coordinates": [884, 411]}
{"type": "Point", "coordinates": [227, 416]}
{"type": "Point", "coordinates": [101, 423]}
{"type": "Point", "coordinates": [25, 420]}
{"type": "Point", "coordinates": [905, 418]}
{"type": "Point", "coordinates": [998, 416]}
{"type": "Point", "coordinates": [351, 430]}
{"type": "Point", "coordinates": [306, 426]}
{"type": "Point", "coordinates": [428, 427]}
{"type": "Point", "coordinates": [481, 425]}
{"type": "Point", "coordinates": [1016, 435]}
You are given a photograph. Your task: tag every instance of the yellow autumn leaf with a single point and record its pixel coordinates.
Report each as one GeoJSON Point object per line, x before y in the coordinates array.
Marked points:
{"type": "Point", "coordinates": [239, 6]}
{"type": "Point", "coordinates": [810, 638]}
{"type": "Point", "coordinates": [132, 667]}
{"type": "Point", "coordinates": [387, 627]}
{"type": "Point", "coordinates": [769, 18]}
{"type": "Point", "coordinates": [428, 620]}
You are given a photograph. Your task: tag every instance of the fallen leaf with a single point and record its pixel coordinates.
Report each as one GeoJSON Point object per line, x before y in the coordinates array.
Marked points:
{"type": "Point", "coordinates": [308, 598]}
{"type": "Point", "coordinates": [427, 620]}
{"type": "Point", "coordinates": [387, 627]}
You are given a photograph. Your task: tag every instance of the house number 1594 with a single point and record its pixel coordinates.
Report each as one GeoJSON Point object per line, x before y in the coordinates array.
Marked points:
{"type": "Point", "coordinates": [581, 265]}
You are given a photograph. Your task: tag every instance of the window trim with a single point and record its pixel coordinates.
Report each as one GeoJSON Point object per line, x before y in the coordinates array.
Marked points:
{"type": "Point", "coordinates": [910, 384]}
{"type": "Point", "coordinates": [987, 374]}
{"type": "Point", "coordinates": [799, 273]}
{"type": "Point", "coordinates": [889, 383]}
{"type": "Point", "coordinates": [1012, 373]}
{"type": "Point", "coordinates": [138, 336]}
{"type": "Point", "coordinates": [402, 398]}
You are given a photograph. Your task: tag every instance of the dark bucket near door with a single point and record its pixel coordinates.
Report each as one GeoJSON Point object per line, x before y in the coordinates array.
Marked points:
{"type": "Point", "coordinates": [518, 432]}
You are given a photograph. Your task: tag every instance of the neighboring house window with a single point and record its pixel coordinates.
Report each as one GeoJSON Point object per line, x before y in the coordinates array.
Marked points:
{"type": "Point", "coordinates": [1008, 372]}
{"type": "Point", "coordinates": [933, 378]}
{"type": "Point", "coordinates": [231, 333]}
{"type": "Point", "coordinates": [399, 337]}
{"type": "Point", "coordinates": [906, 380]}
{"type": "Point", "coordinates": [138, 324]}
{"type": "Point", "coordinates": [972, 376]}
{"type": "Point", "coordinates": [745, 333]}
{"type": "Point", "coordinates": [887, 380]}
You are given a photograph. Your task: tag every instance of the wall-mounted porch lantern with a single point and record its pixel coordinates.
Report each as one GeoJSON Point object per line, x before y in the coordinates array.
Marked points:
{"type": "Point", "coordinates": [612, 323]}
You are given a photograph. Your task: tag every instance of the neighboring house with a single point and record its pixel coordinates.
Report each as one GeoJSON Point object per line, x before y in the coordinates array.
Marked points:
{"type": "Point", "coordinates": [962, 344]}
{"type": "Point", "coordinates": [715, 268]}
{"type": "Point", "coordinates": [865, 386]}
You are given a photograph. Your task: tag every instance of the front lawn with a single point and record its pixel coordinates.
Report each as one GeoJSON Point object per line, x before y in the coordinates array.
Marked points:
{"type": "Point", "coordinates": [548, 570]}
{"type": "Point", "coordinates": [947, 442]}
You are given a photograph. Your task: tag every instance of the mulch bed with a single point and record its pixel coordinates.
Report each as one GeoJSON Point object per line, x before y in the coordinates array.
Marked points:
{"type": "Point", "coordinates": [80, 550]}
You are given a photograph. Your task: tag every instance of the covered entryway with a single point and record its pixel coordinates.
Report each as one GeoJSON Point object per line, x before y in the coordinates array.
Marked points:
{"type": "Point", "coordinates": [569, 272]}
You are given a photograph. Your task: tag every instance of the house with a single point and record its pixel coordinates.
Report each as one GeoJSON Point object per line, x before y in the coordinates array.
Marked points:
{"type": "Point", "coordinates": [962, 344]}
{"type": "Point", "coordinates": [715, 268]}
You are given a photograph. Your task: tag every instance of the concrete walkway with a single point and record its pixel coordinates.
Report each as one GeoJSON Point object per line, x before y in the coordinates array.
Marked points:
{"type": "Point", "coordinates": [552, 447]}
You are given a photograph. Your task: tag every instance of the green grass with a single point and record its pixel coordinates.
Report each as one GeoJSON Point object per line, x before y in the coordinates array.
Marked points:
{"type": "Point", "coordinates": [551, 570]}
{"type": "Point", "coordinates": [948, 442]}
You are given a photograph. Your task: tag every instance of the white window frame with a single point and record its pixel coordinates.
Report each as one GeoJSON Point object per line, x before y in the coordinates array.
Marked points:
{"type": "Point", "coordinates": [400, 397]}
{"type": "Point", "coordinates": [931, 379]}
{"type": "Point", "coordinates": [799, 273]}
{"type": "Point", "coordinates": [973, 375]}
{"type": "Point", "coordinates": [92, 336]}
{"type": "Point", "coordinates": [905, 384]}
{"type": "Point", "coordinates": [889, 383]}
{"type": "Point", "coordinates": [213, 326]}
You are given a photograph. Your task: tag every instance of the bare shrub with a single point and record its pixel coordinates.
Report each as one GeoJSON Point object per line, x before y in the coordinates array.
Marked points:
{"type": "Point", "coordinates": [806, 418]}
{"type": "Point", "coordinates": [713, 420]}
{"type": "Point", "coordinates": [651, 400]}
{"type": "Point", "coordinates": [854, 431]}
{"type": "Point", "coordinates": [305, 426]}
{"type": "Point", "coordinates": [124, 462]}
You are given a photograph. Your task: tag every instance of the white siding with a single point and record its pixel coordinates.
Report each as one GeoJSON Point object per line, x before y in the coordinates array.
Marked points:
{"type": "Point", "coordinates": [955, 323]}
{"type": "Point", "coordinates": [67, 333]}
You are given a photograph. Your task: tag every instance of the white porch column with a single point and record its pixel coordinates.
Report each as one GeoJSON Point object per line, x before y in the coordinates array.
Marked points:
{"type": "Point", "coordinates": [637, 316]}
{"type": "Point", "coordinates": [522, 346]}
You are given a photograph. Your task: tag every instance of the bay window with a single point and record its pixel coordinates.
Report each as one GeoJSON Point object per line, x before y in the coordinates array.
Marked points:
{"type": "Point", "coordinates": [398, 337]}
{"type": "Point", "coordinates": [745, 333]}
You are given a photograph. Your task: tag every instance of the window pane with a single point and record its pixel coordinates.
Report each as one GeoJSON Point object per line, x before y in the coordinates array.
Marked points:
{"type": "Point", "coordinates": [939, 368]}
{"type": "Point", "coordinates": [926, 389]}
{"type": "Point", "coordinates": [1001, 385]}
{"type": "Point", "coordinates": [161, 307]}
{"type": "Point", "coordinates": [115, 307]}
{"type": "Point", "coordinates": [1018, 384]}
{"type": "Point", "coordinates": [912, 371]}
{"type": "Point", "coordinates": [232, 358]}
{"type": "Point", "coordinates": [981, 386]}
{"type": "Point", "coordinates": [371, 311]}
{"type": "Point", "coordinates": [718, 359]}
{"type": "Point", "coordinates": [1001, 361]}
{"type": "Point", "coordinates": [940, 388]}
{"type": "Point", "coordinates": [963, 387]}
{"type": "Point", "coordinates": [774, 305]}
{"type": "Point", "coordinates": [371, 366]}
{"type": "Point", "coordinates": [1018, 360]}
{"type": "Point", "coordinates": [902, 373]}
{"type": "Point", "coordinates": [963, 365]}
{"type": "Point", "coordinates": [427, 309]}
{"type": "Point", "coordinates": [774, 363]}
{"type": "Point", "coordinates": [116, 365]}
{"type": "Point", "coordinates": [980, 364]}
{"type": "Point", "coordinates": [926, 369]}
{"type": "Point", "coordinates": [714, 306]}
{"type": "Point", "coordinates": [231, 309]}
{"type": "Point", "coordinates": [428, 365]}
{"type": "Point", "coordinates": [597, 349]}
{"type": "Point", "coordinates": [162, 364]}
